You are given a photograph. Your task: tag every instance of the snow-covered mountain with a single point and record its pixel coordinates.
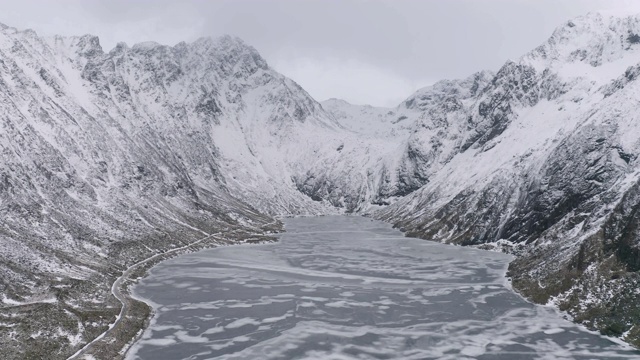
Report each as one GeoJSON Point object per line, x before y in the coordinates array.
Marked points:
{"type": "Point", "coordinates": [548, 169]}
{"type": "Point", "coordinates": [108, 157]}
{"type": "Point", "coordinates": [538, 159]}
{"type": "Point", "coordinates": [420, 136]}
{"type": "Point", "coordinates": [118, 142]}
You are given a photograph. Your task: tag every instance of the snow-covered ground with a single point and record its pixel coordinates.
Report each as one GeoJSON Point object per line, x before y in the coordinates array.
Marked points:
{"type": "Point", "coordinates": [109, 156]}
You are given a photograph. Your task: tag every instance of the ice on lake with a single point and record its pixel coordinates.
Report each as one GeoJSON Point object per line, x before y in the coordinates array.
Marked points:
{"type": "Point", "coordinates": [347, 287]}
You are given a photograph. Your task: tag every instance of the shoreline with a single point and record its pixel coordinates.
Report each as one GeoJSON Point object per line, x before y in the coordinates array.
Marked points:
{"type": "Point", "coordinates": [115, 342]}
{"type": "Point", "coordinates": [141, 269]}
{"type": "Point", "coordinates": [149, 320]}
{"type": "Point", "coordinates": [563, 314]}
{"type": "Point", "coordinates": [124, 296]}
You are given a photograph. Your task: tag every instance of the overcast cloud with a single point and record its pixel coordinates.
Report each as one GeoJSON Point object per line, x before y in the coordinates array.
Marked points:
{"type": "Point", "coordinates": [366, 52]}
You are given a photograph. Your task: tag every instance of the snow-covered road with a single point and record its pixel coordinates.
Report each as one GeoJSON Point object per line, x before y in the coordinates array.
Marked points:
{"type": "Point", "coordinates": [125, 297]}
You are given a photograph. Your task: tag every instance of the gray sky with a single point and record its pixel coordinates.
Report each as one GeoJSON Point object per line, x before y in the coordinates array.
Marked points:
{"type": "Point", "coordinates": [366, 52]}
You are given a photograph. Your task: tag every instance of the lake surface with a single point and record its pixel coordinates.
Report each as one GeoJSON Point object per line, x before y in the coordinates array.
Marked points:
{"type": "Point", "coordinates": [346, 287]}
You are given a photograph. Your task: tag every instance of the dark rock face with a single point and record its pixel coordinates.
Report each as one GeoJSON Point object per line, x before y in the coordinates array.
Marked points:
{"type": "Point", "coordinates": [573, 180]}
{"type": "Point", "coordinates": [513, 84]}
{"type": "Point", "coordinates": [621, 233]}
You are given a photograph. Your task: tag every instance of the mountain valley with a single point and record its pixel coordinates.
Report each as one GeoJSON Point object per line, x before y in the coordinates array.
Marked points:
{"type": "Point", "coordinates": [109, 158]}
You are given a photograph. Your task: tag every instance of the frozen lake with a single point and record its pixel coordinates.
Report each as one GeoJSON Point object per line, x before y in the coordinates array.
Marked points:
{"type": "Point", "coordinates": [351, 288]}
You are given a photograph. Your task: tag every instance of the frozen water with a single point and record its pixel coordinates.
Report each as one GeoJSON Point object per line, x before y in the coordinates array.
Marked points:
{"type": "Point", "coordinates": [351, 288]}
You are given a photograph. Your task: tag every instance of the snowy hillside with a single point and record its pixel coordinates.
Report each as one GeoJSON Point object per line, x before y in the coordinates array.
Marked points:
{"type": "Point", "coordinates": [368, 120]}
{"type": "Point", "coordinates": [397, 150]}
{"type": "Point", "coordinates": [549, 170]}
{"type": "Point", "coordinates": [111, 157]}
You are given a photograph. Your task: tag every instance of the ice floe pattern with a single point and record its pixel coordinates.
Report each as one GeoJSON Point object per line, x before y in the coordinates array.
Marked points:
{"type": "Point", "coordinates": [351, 288]}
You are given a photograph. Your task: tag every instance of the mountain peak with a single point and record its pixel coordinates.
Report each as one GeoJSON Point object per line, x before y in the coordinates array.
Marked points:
{"type": "Point", "coordinates": [120, 47]}
{"type": "Point", "coordinates": [145, 46]}
{"type": "Point", "coordinates": [593, 39]}
{"type": "Point", "coordinates": [89, 45]}
{"type": "Point", "coordinates": [336, 101]}
{"type": "Point", "coordinates": [464, 88]}
{"type": "Point", "coordinates": [86, 46]}
{"type": "Point", "coordinates": [228, 48]}
{"type": "Point", "coordinates": [226, 43]}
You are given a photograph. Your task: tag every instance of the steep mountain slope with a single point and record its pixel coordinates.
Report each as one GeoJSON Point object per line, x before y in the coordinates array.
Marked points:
{"type": "Point", "coordinates": [122, 136]}
{"type": "Point", "coordinates": [111, 157]}
{"type": "Point", "coordinates": [549, 171]}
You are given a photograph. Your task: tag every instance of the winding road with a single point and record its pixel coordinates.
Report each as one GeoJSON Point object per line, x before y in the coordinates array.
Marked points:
{"type": "Point", "coordinates": [125, 298]}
